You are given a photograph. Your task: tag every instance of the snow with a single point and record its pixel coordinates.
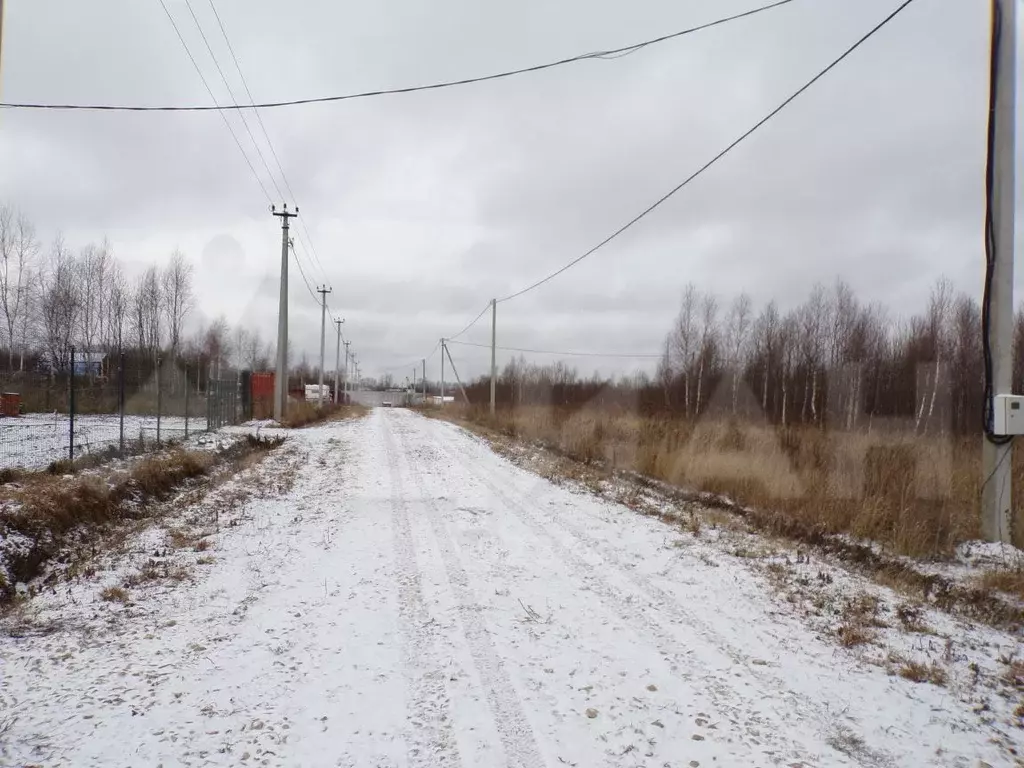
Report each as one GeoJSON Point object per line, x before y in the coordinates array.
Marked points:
{"type": "Point", "coordinates": [390, 592]}
{"type": "Point", "coordinates": [35, 440]}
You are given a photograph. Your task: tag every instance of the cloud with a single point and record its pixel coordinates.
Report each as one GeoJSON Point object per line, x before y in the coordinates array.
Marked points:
{"type": "Point", "coordinates": [424, 207]}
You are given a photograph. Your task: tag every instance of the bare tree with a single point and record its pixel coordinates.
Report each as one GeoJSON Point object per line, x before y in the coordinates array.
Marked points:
{"type": "Point", "coordinates": [118, 303]}
{"type": "Point", "coordinates": [146, 309]}
{"type": "Point", "coordinates": [217, 344]}
{"type": "Point", "coordinates": [811, 319]}
{"type": "Point", "coordinates": [708, 342]}
{"type": "Point", "coordinates": [685, 339]}
{"type": "Point", "coordinates": [176, 281]}
{"type": "Point", "coordinates": [737, 330]}
{"type": "Point", "coordinates": [18, 250]}
{"type": "Point", "coordinates": [91, 273]}
{"type": "Point", "coordinates": [240, 345]}
{"type": "Point", "coordinates": [766, 338]}
{"type": "Point", "coordinates": [59, 305]}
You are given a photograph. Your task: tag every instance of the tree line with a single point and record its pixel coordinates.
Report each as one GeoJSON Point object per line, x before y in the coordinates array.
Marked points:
{"type": "Point", "coordinates": [833, 360]}
{"type": "Point", "coordinates": [54, 298]}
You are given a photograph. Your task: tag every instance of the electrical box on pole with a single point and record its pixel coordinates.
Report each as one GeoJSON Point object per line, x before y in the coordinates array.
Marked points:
{"type": "Point", "coordinates": [1008, 415]}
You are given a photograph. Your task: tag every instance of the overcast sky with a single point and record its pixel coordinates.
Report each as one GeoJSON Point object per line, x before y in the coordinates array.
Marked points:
{"type": "Point", "coordinates": [424, 206]}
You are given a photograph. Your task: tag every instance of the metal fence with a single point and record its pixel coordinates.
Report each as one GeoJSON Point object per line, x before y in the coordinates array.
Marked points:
{"type": "Point", "coordinates": [115, 414]}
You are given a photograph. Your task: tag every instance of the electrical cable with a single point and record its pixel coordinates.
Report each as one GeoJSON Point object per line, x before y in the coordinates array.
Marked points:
{"type": "Point", "coordinates": [266, 136]}
{"type": "Point", "coordinates": [713, 160]}
{"type": "Point", "coordinates": [568, 354]}
{"type": "Point", "coordinates": [231, 95]}
{"type": "Point", "coordinates": [210, 91]}
{"type": "Point", "coordinates": [990, 235]}
{"type": "Point", "coordinates": [472, 323]}
{"type": "Point", "coordinates": [612, 53]}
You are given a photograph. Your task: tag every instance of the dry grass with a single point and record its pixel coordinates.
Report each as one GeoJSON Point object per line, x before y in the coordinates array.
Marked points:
{"type": "Point", "coordinates": [850, 635]}
{"type": "Point", "coordinates": [911, 619]}
{"type": "Point", "coordinates": [51, 510]}
{"type": "Point", "coordinates": [923, 673]}
{"type": "Point", "coordinates": [737, 471]}
{"type": "Point", "coordinates": [301, 414]}
{"type": "Point", "coordinates": [916, 496]}
{"type": "Point", "coordinates": [1006, 580]}
{"type": "Point", "coordinates": [114, 595]}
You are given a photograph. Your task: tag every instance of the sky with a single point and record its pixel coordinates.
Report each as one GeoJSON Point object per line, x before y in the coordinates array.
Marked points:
{"type": "Point", "coordinates": [422, 207]}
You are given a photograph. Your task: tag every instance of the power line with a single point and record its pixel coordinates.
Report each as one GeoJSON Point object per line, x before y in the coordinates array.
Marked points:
{"type": "Point", "coordinates": [713, 160]}
{"type": "Point", "coordinates": [472, 323]}
{"type": "Point", "coordinates": [302, 272]}
{"type": "Point", "coordinates": [266, 135]}
{"type": "Point", "coordinates": [609, 54]}
{"type": "Point", "coordinates": [568, 354]}
{"type": "Point", "coordinates": [210, 91]}
{"type": "Point", "coordinates": [231, 95]}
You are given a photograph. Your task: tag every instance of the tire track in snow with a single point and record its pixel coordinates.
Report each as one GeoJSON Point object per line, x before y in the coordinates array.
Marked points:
{"type": "Point", "coordinates": [679, 614]}
{"type": "Point", "coordinates": [730, 701]}
{"type": "Point", "coordinates": [430, 735]}
{"type": "Point", "coordinates": [514, 729]}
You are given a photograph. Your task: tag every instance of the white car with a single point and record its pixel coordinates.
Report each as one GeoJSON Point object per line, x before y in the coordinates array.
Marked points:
{"type": "Point", "coordinates": [386, 403]}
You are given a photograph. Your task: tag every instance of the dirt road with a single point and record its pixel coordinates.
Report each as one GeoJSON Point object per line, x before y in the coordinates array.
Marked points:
{"type": "Point", "coordinates": [416, 600]}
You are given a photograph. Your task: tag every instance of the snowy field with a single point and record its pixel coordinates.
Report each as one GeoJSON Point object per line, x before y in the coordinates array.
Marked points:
{"type": "Point", "coordinates": [35, 440]}
{"type": "Point", "coordinates": [413, 599]}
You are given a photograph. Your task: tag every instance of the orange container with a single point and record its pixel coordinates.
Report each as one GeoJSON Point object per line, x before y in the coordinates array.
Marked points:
{"type": "Point", "coordinates": [10, 404]}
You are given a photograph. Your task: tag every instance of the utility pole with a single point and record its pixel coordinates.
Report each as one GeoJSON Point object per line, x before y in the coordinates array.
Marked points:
{"type": "Point", "coordinates": [337, 362]}
{"type": "Point", "coordinates": [1, 42]}
{"type": "Point", "coordinates": [494, 338]}
{"type": "Point", "coordinates": [424, 381]}
{"type": "Point", "coordinates": [442, 372]}
{"type": "Point", "coordinates": [996, 455]}
{"type": "Point", "coordinates": [323, 330]}
{"type": "Point", "coordinates": [281, 375]}
{"type": "Point", "coordinates": [345, 384]}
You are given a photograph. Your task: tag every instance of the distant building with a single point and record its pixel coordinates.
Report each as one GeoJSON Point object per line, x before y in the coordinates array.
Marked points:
{"type": "Point", "coordinates": [89, 363]}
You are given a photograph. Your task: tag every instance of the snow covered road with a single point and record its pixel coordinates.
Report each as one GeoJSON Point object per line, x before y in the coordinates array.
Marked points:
{"type": "Point", "coordinates": [416, 600]}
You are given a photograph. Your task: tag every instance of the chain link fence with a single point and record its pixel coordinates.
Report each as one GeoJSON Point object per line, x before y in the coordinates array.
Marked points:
{"type": "Point", "coordinates": [111, 409]}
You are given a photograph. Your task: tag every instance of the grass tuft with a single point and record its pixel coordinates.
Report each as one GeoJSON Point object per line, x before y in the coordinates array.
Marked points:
{"type": "Point", "coordinates": [923, 673]}
{"type": "Point", "coordinates": [114, 595]}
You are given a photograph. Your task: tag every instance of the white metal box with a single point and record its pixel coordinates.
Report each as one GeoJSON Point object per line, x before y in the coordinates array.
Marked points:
{"type": "Point", "coordinates": [1008, 414]}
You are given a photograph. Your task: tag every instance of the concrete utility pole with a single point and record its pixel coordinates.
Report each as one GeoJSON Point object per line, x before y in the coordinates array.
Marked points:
{"type": "Point", "coordinates": [494, 364]}
{"type": "Point", "coordinates": [323, 330]}
{"type": "Point", "coordinates": [996, 457]}
{"type": "Point", "coordinates": [1, 45]}
{"type": "Point", "coordinates": [424, 381]}
{"type": "Point", "coordinates": [442, 372]}
{"type": "Point", "coordinates": [345, 385]}
{"type": "Point", "coordinates": [281, 375]}
{"type": "Point", "coordinates": [337, 362]}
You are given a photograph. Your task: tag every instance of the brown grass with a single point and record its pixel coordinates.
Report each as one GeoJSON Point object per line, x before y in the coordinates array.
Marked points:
{"type": "Point", "coordinates": [916, 496]}
{"type": "Point", "coordinates": [1009, 580]}
{"type": "Point", "coordinates": [850, 635]}
{"type": "Point", "coordinates": [114, 595]}
{"type": "Point", "coordinates": [48, 509]}
{"type": "Point", "coordinates": [301, 413]}
{"type": "Point", "coordinates": [923, 673]}
{"type": "Point", "coordinates": [756, 487]}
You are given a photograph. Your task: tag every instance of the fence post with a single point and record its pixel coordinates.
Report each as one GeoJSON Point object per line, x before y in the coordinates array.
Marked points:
{"type": "Point", "coordinates": [120, 402]}
{"type": "Point", "coordinates": [71, 409]}
{"type": "Point", "coordinates": [186, 402]}
{"type": "Point", "coordinates": [159, 400]}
